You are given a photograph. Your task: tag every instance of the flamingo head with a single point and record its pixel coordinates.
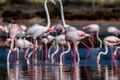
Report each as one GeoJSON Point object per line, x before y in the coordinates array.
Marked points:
{"type": "Point", "coordinates": [83, 35]}
{"type": "Point", "coordinates": [50, 29]}
{"type": "Point", "coordinates": [59, 28]}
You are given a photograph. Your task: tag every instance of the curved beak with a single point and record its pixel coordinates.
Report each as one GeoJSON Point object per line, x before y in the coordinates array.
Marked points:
{"type": "Point", "coordinates": [51, 30]}
{"type": "Point", "coordinates": [87, 35]}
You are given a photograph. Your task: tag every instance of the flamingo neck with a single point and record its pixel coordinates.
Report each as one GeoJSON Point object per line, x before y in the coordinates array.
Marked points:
{"type": "Point", "coordinates": [65, 52]}
{"type": "Point", "coordinates": [62, 13]}
{"type": "Point", "coordinates": [106, 50]}
{"type": "Point", "coordinates": [54, 53]}
{"type": "Point", "coordinates": [47, 14]}
{"type": "Point", "coordinates": [100, 53]}
{"type": "Point", "coordinates": [98, 38]}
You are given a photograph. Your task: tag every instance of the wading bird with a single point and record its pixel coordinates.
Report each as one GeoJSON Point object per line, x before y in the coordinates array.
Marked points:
{"type": "Point", "coordinates": [108, 41]}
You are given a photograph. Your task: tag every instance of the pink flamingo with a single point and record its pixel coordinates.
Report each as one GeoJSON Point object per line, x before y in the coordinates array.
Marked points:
{"type": "Point", "coordinates": [14, 29]}
{"type": "Point", "coordinates": [108, 41]}
{"type": "Point", "coordinates": [113, 30]}
{"type": "Point", "coordinates": [74, 37]}
{"type": "Point", "coordinates": [94, 28]}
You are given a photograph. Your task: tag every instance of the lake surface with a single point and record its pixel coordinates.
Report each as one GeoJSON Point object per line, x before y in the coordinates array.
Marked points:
{"type": "Point", "coordinates": [85, 70]}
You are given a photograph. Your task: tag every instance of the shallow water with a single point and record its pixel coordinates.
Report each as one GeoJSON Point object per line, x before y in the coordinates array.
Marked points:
{"type": "Point", "coordinates": [86, 70]}
{"type": "Point", "coordinates": [45, 72]}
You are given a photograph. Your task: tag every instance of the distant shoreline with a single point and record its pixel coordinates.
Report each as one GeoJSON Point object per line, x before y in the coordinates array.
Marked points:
{"type": "Point", "coordinates": [72, 12]}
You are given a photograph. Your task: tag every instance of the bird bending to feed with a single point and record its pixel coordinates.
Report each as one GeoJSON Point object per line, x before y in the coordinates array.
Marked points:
{"type": "Point", "coordinates": [111, 41]}
{"type": "Point", "coordinates": [113, 30]}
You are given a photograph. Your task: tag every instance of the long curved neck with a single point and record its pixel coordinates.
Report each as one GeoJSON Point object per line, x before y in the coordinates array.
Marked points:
{"type": "Point", "coordinates": [65, 52]}
{"type": "Point", "coordinates": [106, 50]}
{"type": "Point", "coordinates": [56, 51]}
{"type": "Point", "coordinates": [102, 53]}
{"type": "Point", "coordinates": [47, 14]}
{"type": "Point", "coordinates": [99, 39]}
{"type": "Point", "coordinates": [62, 13]}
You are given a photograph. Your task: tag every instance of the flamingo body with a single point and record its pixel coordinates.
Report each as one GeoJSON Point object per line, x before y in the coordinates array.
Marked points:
{"type": "Point", "coordinates": [23, 43]}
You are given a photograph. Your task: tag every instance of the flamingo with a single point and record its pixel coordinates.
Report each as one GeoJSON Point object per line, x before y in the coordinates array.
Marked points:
{"type": "Point", "coordinates": [94, 28]}
{"type": "Point", "coordinates": [70, 30]}
{"type": "Point", "coordinates": [37, 30]}
{"type": "Point", "coordinates": [65, 26]}
{"type": "Point", "coordinates": [61, 56]}
{"type": "Point", "coordinates": [24, 44]}
{"type": "Point", "coordinates": [113, 30]}
{"type": "Point", "coordinates": [60, 40]}
{"type": "Point", "coordinates": [108, 41]}
{"type": "Point", "coordinates": [14, 29]}
{"type": "Point", "coordinates": [74, 37]}
{"type": "Point", "coordinates": [116, 31]}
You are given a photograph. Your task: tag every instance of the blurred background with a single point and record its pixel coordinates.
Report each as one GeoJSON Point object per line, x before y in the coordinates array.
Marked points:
{"type": "Point", "coordinates": [99, 10]}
